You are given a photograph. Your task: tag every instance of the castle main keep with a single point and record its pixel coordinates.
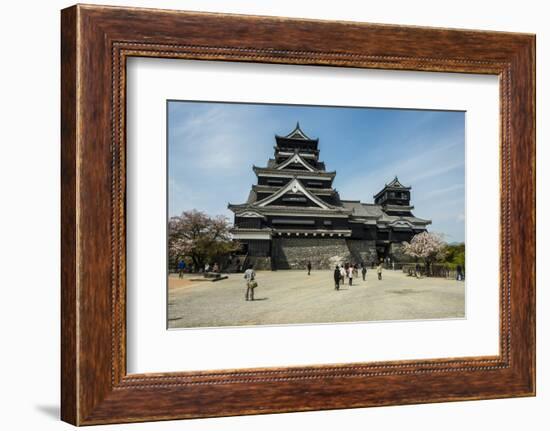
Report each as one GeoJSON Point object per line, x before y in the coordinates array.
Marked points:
{"type": "Point", "coordinates": [294, 215]}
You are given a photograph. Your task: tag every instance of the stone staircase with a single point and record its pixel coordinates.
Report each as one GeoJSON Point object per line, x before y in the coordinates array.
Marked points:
{"type": "Point", "coordinates": [236, 265]}
{"type": "Point", "coordinates": [260, 263]}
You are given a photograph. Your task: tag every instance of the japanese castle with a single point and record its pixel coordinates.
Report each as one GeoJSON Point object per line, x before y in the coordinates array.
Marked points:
{"type": "Point", "coordinates": [293, 214]}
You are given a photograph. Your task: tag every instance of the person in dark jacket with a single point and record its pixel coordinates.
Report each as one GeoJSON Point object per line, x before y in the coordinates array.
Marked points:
{"type": "Point", "coordinates": [364, 271]}
{"type": "Point", "coordinates": [459, 273]}
{"type": "Point", "coordinates": [308, 267]}
{"type": "Point", "coordinates": [337, 278]}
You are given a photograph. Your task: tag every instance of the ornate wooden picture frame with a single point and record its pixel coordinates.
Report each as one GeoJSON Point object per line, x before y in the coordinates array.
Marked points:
{"type": "Point", "coordinates": [96, 42]}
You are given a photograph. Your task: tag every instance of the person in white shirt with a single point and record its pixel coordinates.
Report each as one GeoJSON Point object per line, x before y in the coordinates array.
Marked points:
{"type": "Point", "coordinates": [379, 271]}
{"type": "Point", "coordinates": [342, 273]}
{"type": "Point", "coordinates": [350, 275]}
{"type": "Point", "coordinates": [249, 276]}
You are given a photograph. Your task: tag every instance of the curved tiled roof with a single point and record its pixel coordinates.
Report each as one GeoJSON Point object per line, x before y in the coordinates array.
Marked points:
{"type": "Point", "coordinates": [361, 209]}
{"type": "Point", "coordinates": [293, 172]}
{"type": "Point", "coordinates": [297, 133]}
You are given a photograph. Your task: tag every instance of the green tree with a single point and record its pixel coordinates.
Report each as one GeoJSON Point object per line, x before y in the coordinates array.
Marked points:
{"type": "Point", "coordinates": [455, 255]}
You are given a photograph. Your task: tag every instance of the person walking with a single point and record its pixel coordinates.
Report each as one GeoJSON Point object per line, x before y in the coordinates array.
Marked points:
{"type": "Point", "coordinates": [251, 284]}
{"type": "Point", "coordinates": [342, 274]}
{"type": "Point", "coordinates": [379, 271]}
{"type": "Point", "coordinates": [459, 273]}
{"type": "Point", "coordinates": [337, 278]}
{"type": "Point", "coordinates": [181, 268]}
{"type": "Point", "coordinates": [308, 267]}
{"type": "Point", "coordinates": [350, 275]}
{"type": "Point", "coordinates": [364, 271]}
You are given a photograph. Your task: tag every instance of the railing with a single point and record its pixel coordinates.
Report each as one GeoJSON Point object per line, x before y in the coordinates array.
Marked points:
{"type": "Point", "coordinates": [394, 265]}
{"type": "Point", "coordinates": [435, 270]}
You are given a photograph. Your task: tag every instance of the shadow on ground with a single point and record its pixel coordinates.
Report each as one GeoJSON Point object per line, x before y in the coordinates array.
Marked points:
{"type": "Point", "coordinates": [52, 411]}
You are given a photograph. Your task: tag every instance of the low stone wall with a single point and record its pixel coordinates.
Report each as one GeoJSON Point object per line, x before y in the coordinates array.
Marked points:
{"type": "Point", "coordinates": [323, 253]}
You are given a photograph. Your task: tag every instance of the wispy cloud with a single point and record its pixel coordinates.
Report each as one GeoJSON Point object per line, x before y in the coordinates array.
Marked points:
{"type": "Point", "coordinates": [409, 164]}
{"type": "Point", "coordinates": [212, 141]}
{"type": "Point", "coordinates": [443, 191]}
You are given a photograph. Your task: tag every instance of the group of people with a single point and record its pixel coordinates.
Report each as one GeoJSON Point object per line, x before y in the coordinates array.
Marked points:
{"type": "Point", "coordinates": [213, 268]}
{"type": "Point", "coordinates": [341, 272]}
{"type": "Point", "coordinates": [182, 267]}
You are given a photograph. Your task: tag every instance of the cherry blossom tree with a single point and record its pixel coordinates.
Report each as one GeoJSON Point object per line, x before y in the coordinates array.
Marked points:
{"type": "Point", "coordinates": [199, 237]}
{"type": "Point", "coordinates": [427, 247]}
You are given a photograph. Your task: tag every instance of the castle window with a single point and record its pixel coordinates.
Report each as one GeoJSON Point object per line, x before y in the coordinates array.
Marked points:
{"type": "Point", "coordinates": [280, 221]}
{"type": "Point", "coordinates": [294, 199]}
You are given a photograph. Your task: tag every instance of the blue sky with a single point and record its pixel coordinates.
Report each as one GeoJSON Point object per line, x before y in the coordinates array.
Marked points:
{"type": "Point", "coordinates": [212, 147]}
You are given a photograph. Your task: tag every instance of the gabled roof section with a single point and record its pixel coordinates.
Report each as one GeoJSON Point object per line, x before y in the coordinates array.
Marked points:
{"type": "Point", "coordinates": [395, 184]}
{"type": "Point", "coordinates": [293, 186]}
{"type": "Point", "coordinates": [297, 133]}
{"type": "Point", "coordinates": [252, 197]}
{"type": "Point", "coordinates": [297, 137]}
{"type": "Point", "coordinates": [286, 173]}
{"type": "Point", "coordinates": [404, 221]}
{"type": "Point", "coordinates": [273, 189]}
{"type": "Point", "coordinates": [389, 218]}
{"type": "Point", "coordinates": [296, 158]}
{"type": "Point", "coordinates": [250, 214]}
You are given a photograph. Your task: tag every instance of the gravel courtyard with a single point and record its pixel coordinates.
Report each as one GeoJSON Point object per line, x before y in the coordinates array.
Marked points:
{"type": "Point", "coordinates": [285, 297]}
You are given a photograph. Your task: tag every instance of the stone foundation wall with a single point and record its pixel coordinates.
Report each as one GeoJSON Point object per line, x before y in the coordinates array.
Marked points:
{"type": "Point", "coordinates": [362, 251]}
{"type": "Point", "coordinates": [260, 263]}
{"type": "Point", "coordinates": [323, 253]}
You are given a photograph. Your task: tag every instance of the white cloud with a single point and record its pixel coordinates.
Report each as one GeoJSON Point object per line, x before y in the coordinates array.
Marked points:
{"type": "Point", "coordinates": [216, 146]}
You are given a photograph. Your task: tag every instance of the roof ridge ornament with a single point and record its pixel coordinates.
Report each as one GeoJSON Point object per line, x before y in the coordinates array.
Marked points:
{"type": "Point", "coordinates": [297, 133]}
{"type": "Point", "coordinates": [395, 183]}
